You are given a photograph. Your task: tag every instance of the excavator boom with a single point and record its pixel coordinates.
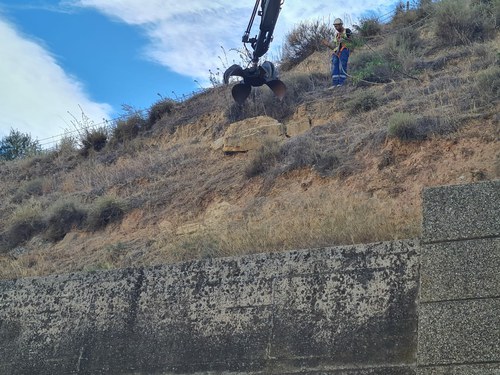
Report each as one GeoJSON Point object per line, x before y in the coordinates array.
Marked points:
{"type": "Point", "coordinates": [258, 75]}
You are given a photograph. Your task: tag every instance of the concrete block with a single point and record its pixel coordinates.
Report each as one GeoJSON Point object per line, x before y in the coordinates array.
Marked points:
{"type": "Point", "coordinates": [457, 332]}
{"type": "Point", "coordinates": [396, 370]}
{"type": "Point", "coordinates": [489, 369]}
{"type": "Point", "coordinates": [460, 270]}
{"type": "Point", "coordinates": [461, 212]}
{"type": "Point", "coordinates": [366, 315]}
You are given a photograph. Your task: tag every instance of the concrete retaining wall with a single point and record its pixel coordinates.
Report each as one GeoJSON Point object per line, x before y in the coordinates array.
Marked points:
{"type": "Point", "coordinates": [395, 308]}
{"type": "Point", "coordinates": [459, 307]}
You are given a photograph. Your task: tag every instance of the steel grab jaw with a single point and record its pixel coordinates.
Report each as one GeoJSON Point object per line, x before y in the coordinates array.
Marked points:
{"type": "Point", "coordinates": [255, 76]}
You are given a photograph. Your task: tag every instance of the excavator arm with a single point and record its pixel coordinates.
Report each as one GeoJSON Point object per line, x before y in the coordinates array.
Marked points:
{"type": "Point", "coordinates": [258, 75]}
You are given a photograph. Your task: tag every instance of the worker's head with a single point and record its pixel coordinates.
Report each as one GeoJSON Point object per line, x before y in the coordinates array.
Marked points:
{"type": "Point", "coordinates": [338, 24]}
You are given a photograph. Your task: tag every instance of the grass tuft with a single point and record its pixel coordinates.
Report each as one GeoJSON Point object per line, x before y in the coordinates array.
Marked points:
{"type": "Point", "coordinates": [24, 223]}
{"type": "Point", "coordinates": [105, 210]}
{"type": "Point", "coordinates": [62, 218]}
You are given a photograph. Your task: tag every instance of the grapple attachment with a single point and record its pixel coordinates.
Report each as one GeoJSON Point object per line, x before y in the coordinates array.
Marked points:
{"type": "Point", "coordinates": [265, 74]}
{"type": "Point", "coordinates": [240, 92]}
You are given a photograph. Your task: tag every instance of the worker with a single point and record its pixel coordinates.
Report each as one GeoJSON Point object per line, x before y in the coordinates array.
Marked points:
{"type": "Point", "coordinates": [340, 54]}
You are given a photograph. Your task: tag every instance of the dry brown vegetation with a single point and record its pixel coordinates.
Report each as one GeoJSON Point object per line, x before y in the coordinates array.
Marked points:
{"type": "Point", "coordinates": [156, 192]}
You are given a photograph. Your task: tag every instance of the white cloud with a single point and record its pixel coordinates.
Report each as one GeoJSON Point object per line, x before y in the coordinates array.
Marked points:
{"type": "Point", "coordinates": [187, 36]}
{"type": "Point", "coordinates": [35, 92]}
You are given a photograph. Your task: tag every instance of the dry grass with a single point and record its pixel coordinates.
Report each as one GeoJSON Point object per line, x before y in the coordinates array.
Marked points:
{"type": "Point", "coordinates": [320, 219]}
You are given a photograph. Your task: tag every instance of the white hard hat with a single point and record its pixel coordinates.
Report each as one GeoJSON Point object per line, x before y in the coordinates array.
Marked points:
{"type": "Point", "coordinates": [338, 21]}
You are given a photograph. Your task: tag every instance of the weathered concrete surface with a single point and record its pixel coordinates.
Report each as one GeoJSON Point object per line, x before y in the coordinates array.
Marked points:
{"type": "Point", "coordinates": [347, 310]}
{"type": "Point", "coordinates": [459, 309]}
{"type": "Point", "coordinates": [461, 212]}
{"type": "Point", "coordinates": [458, 270]}
{"type": "Point", "coordinates": [461, 370]}
{"type": "Point", "coordinates": [458, 332]}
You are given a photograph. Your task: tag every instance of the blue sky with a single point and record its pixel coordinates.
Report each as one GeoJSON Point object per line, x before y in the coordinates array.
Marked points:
{"type": "Point", "coordinates": [62, 55]}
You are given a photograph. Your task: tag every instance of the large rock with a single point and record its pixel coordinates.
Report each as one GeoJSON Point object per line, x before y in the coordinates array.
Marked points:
{"type": "Point", "coordinates": [250, 134]}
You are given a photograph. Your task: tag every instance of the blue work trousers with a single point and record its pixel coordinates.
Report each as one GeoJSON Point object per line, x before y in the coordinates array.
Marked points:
{"type": "Point", "coordinates": [339, 67]}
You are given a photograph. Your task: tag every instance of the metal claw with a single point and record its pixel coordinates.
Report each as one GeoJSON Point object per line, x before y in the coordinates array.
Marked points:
{"type": "Point", "coordinates": [255, 76]}
{"type": "Point", "coordinates": [278, 87]}
{"type": "Point", "coordinates": [240, 92]}
{"type": "Point", "coordinates": [233, 70]}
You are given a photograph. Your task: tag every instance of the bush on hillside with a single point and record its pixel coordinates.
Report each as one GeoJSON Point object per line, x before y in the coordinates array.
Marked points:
{"type": "Point", "coordinates": [408, 127]}
{"type": "Point", "coordinates": [401, 49]}
{"type": "Point", "coordinates": [488, 83]}
{"type": "Point", "coordinates": [126, 130]}
{"type": "Point", "coordinates": [31, 188]}
{"type": "Point", "coordinates": [106, 210]}
{"type": "Point", "coordinates": [18, 145]}
{"type": "Point", "coordinates": [24, 223]}
{"type": "Point", "coordinates": [404, 17]}
{"type": "Point", "coordinates": [159, 109]}
{"type": "Point", "coordinates": [303, 41]}
{"type": "Point", "coordinates": [369, 27]}
{"type": "Point", "coordinates": [397, 56]}
{"type": "Point", "coordinates": [458, 22]}
{"type": "Point", "coordinates": [93, 139]}
{"type": "Point", "coordinates": [62, 218]}
{"type": "Point", "coordinates": [371, 67]}
{"type": "Point", "coordinates": [363, 101]}
{"type": "Point", "coordinates": [403, 126]}
{"type": "Point", "coordinates": [425, 8]}
{"type": "Point", "coordinates": [298, 152]}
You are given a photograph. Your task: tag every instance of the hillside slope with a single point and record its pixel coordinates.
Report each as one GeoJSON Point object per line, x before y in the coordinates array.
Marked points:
{"type": "Point", "coordinates": [352, 174]}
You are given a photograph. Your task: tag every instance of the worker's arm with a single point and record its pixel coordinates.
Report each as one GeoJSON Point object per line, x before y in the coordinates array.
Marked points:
{"type": "Point", "coordinates": [326, 43]}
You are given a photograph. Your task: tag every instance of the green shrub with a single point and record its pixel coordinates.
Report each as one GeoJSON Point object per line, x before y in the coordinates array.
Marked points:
{"type": "Point", "coordinates": [424, 8]}
{"type": "Point", "coordinates": [488, 83]}
{"type": "Point", "coordinates": [403, 126]}
{"type": "Point", "coordinates": [404, 17]}
{"type": "Point", "coordinates": [159, 109]}
{"type": "Point", "coordinates": [303, 41]}
{"type": "Point", "coordinates": [401, 50]}
{"type": "Point", "coordinates": [369, 27]}
{"type": "Point", "coordinates": [24, 223]}
{"type": "Point", "coordinates": [106, 210]}
{"type": "Point", "coordinates": [93, 139]}
{"type": "Point", "coordinates": [407, 39]}
{"type": "Point", "coordinates": [363, 101]}
{"type": "Point", "coordinates": [126, 130]}
{"type": "Point", "coordinates": [370, 66]}
{"type": "Point", "coordinates": [463, 21]}
{"type": "Point", "coordinates": [408, 127]}
{"type": "Point", "coordinates": [18, 145]}
{"type": "Point", "coordinates": [31, 188]}
{"type": "Point", "coordinates": [62, 218]}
